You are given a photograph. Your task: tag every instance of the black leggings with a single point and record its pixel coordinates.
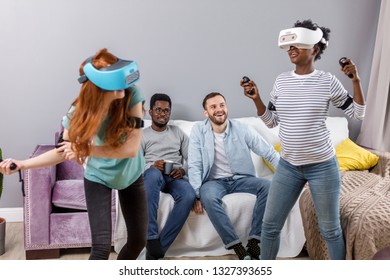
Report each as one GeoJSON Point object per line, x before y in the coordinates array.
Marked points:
{"type": "Point", "coordinates": [134, 209]}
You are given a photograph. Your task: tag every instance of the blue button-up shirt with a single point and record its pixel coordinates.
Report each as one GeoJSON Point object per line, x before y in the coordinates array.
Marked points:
{"type": "Point", "coordinates": [239, 140]}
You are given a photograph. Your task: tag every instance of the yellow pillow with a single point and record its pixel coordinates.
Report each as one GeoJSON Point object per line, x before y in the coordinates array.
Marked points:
{"type": "Point", "coordinates": [353, 157]}
{"type": "Point", "coordinates": [277, 148]}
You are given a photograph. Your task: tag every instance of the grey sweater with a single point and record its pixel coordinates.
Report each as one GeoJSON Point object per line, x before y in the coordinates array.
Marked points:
{"type": "Point", "coordinates": [170, 144]}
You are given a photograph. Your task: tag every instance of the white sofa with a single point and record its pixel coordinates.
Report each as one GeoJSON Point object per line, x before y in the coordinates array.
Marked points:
{"type": "Point", "coordinates": [198, 236]}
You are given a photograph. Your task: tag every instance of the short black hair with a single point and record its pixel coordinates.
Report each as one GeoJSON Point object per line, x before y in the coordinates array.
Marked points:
{"type": "Point", "coordinates": [160, 97]}
{"type": "Point", "coordinates": [313, 26]}
{"type": "Point", "coordinates": [211, 95]}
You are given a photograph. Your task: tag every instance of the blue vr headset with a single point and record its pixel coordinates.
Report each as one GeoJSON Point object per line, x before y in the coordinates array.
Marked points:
{"type": "Point", "coordinates": [120, 75]}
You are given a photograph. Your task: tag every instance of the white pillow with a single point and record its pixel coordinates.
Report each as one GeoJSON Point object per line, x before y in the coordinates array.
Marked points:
{"type": "Point", "coordinates": [186, 126]}
{"type": "Point", "coordinates": [269, 134]}
{"type": "Point", "coordinates": [147, 123]}
{"type": "Point", "coordinates": [338, 128]}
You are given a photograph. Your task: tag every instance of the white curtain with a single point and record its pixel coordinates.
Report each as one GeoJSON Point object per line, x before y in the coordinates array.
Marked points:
{"type": "Point", "coordinates": [375, 130]}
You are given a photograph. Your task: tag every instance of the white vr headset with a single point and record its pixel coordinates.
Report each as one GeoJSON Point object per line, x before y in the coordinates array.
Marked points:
{"type": "Point", "coordinates": [300, 37]}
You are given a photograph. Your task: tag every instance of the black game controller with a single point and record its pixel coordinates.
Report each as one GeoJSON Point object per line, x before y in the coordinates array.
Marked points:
{"type": "Point", "coordinates": [343, 63]}
{"type": "Point", "coordinates": [60, 140]}
{"type": "Point", "coordinates": [12, 166]}
{"type": "Point", "coordinates": [245, 79]}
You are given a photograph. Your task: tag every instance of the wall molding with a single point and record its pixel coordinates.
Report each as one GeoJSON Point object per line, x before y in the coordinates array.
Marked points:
{"type": "Point", "coordinates": [12, 214]}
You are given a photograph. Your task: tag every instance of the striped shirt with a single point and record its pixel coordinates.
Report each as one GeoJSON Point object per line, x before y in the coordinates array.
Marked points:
{"type": "Point", "coordinates": [301, 108]}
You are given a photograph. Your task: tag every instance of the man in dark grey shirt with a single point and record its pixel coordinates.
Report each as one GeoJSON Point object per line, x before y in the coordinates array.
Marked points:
{"type": "Point", "coordinates": [160, 143]}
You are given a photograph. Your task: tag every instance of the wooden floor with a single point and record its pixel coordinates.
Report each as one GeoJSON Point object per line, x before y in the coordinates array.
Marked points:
{"type": "Point", "coordinates": [14, 249]}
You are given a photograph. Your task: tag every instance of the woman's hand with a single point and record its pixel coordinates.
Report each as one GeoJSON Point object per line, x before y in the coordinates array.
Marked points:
{"type": "Point", "coordinates": [159, 164]}
{"type": "Point", "coordinates": [250, 87]}
{"type": "Point", "coordinates": [177, 173]}
{"type": "Point", "coordinates": [65, 150]}
{"type": "Point", "coordinates": [5, 166]}
{"type": "Point", "coordinates": [350, 69]}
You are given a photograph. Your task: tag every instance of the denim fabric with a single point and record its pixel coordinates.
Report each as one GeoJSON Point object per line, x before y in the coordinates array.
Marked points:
{"type": "Point", "coordinates": [133, 205]}
{"type": "Point", "coordinates": [211, 194]}
{"type": "Point", "coordinates": [286, 187]}
{"type": "Point", "coordinates": [183, 195]}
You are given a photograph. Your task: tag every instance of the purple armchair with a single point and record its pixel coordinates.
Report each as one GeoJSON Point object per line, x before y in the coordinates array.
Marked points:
{"type": "Point", "coordinates": [55, 215]}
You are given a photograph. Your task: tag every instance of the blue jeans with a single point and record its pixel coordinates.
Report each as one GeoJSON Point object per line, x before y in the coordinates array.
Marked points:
{"type": "Point", "coordinates": [286, 187]}
{"type": "Point", "coordinates": [211, 194]}
{"type": "Point", "coordinates": [183, 195]}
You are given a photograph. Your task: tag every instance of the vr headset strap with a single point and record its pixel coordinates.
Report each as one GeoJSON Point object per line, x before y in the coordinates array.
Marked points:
{"type": "Point", "coordinates": [135, 122]}
{"type": "Point", "coordinates": [346, 103]}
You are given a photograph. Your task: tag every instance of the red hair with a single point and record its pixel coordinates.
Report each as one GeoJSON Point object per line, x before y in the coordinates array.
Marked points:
{"type": "Point", "coordinates": [88, 116]}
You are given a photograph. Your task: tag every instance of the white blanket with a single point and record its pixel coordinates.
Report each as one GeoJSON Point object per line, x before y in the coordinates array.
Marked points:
{"type": "Point", "coordinates": [199, 238]}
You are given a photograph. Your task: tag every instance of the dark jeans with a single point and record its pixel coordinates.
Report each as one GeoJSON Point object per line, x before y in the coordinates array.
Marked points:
{"type": "Point", "coordinates": [182, 193]}
{"type": "Point", "coordinates": [134, 209]}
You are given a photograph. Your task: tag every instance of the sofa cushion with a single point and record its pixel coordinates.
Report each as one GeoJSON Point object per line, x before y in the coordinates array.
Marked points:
{"type": "Point", "coordinates": [69, 194]}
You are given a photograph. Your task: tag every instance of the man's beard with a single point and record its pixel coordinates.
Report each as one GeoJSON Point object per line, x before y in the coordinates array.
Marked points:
{"type": "Point", "coordinates": [214, 120]}
{"type": "Point", "coordinates": [160, 125]}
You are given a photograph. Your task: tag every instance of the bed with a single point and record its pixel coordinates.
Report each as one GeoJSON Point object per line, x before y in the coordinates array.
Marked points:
{"type": "Point", "coordinates": [364, 211]}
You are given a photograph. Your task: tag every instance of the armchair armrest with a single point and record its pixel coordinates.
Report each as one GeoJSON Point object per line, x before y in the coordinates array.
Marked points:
{"type": "Point", "coordinates": [37, 201]}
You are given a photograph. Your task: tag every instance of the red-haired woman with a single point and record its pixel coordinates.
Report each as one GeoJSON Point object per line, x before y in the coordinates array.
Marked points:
{"type": "Point", "coordinates": [102, 131]}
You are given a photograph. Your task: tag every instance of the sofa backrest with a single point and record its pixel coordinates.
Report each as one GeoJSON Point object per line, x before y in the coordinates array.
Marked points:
{"type": "Point", "coordinates": [69, 170]}
{"type": "Point", "coordinates": [337, 126]}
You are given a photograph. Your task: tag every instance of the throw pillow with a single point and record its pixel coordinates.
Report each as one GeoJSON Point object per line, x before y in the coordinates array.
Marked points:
{"type": "Point", "coordinates": [353, 157]}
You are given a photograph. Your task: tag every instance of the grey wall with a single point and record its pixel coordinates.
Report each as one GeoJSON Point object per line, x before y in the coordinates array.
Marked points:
{"type": "Point", "coordinates": [186, 48]}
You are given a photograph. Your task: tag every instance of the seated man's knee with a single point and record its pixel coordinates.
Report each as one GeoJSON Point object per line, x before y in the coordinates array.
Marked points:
{"type": "Point", "coordinates": [152, 172]}
{"type": "Point", "coordinates": [153, 180]}
{"type": "Point", "coordinates": [189, 194]}
{"type": "Point", "coordinates": [208, 199]}
{"type": "Point", "coordinates": [266, 184]}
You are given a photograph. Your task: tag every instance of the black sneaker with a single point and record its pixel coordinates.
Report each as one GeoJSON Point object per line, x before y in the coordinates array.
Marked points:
{"type": "Point", "coordinates": [253, 248]}
{"type": "Point", "coordinates": [240, 251]}
{"type": "Point", "coordinates": [154, 250]}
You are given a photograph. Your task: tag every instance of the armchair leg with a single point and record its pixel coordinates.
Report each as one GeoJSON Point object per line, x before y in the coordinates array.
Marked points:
{"type": "Point", "coordinates": [42, 254]}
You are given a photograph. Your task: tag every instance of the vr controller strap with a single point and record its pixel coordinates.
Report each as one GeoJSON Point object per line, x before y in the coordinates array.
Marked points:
{"type": "Point", "coordinates": [271, 106]}
{"type": "Point", "coordinates": [22, 181]}
{"type": "Point", "coordinates": [346, 103]}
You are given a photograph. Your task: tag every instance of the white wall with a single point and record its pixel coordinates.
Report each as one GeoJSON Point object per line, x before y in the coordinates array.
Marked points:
{"type": "Point", "coordinates": [185, 48]}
